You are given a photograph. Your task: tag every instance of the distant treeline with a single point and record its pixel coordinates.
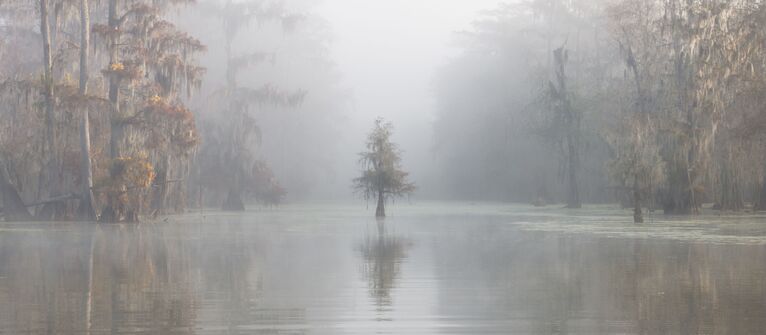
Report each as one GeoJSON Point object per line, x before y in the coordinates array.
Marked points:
{"type": "Point", "coordinates": [650, 103]}
{"type": "Point", "coordinates": [104, 113]}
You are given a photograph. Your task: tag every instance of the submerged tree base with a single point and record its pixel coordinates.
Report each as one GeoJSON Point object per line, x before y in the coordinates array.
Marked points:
{"type": "Point", "coordinates": [638, 216]}
{"type": "Point", "coordinates": [14, 209]}
{"type": "Point", "coordinates": [112, 215]}
{"type": "Point", "coordinates": [233, 202]}
{"type": "Point", "coordinates": [380, 210]}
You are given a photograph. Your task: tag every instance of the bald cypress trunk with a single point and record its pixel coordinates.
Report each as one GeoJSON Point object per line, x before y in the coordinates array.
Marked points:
{"type": "Point", "coordinates": [113, 211]}
{"type": "Point", "coordinates": [50, 178]}
{"type": "Point", "coordinates": [638, 215]}
{"type": "Point", "coordinates": [162, 180]}
{"type": "Point", "coordinates": [47, 75]}
{"type": "Point", "coordinates": [571, 124]}
{"type": "Point", "coordinates": [13, 206]}
{"type": "Point", "coordinates": [380, 211]}
{"type": "Point", "coordinates": [761, 205]}
{"type": "Point", "coordinates": [114, 89]}
{"type": "Point", "coordinates": [87, 204]}
{"type": "Point", "coordinates": [234, 201]}
{"type": "Point", "coordinates": [573, 200]}
{"type": "Point", "coordinates": [731, 196]}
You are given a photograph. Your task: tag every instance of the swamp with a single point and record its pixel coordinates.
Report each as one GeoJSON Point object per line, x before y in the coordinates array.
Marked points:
{"type": "Point", "coordinates": [382, 166]}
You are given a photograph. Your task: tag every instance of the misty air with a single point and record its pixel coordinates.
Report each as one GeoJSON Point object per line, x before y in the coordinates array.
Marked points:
{"type": "Point", "coordinates": [382, 166]}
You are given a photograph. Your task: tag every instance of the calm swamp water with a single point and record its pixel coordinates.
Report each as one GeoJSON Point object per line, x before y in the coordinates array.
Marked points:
{"type": "Point", "coordinates": [428, 269]}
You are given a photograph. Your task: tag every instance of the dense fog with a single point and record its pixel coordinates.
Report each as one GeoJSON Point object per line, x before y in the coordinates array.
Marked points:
{"type": "Point", "coordinates": [356, 66]}
{"type": "Point", "coordinates": [534, 166]}
{"type": "Point", "coordinates": [121, 108]}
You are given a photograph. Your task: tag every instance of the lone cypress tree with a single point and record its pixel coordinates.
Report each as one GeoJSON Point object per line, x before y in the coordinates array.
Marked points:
{"type": "Point", "coordinates": [382, 175]}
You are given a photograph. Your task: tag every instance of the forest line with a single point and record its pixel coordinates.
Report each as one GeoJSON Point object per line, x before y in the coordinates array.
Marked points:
{"type": "Point", "coordinates": [104, 111]}
{"type": "Point", "coordinates": [656, 103]}
{"type": "Point", "coordinates": [112, 109]}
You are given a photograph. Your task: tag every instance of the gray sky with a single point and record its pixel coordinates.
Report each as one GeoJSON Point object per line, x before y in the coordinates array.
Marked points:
{"type": "Point", "coordinates": [388, 52]}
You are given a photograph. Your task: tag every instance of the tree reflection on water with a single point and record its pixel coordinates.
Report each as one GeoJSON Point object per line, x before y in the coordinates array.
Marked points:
{"type": "Point", "coordinates": [430, 276]}
{"type": "Point", "coordinates": [382, 254]}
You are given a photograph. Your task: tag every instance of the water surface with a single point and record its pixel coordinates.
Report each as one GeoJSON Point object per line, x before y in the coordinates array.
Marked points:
{"type": "Point", "coordinates": [428, 269]}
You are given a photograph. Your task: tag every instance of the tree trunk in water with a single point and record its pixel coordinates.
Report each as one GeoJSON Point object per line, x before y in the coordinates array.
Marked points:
{"type": "Point", "coordinates": [160, 200]}
{"type": "Point", "coordinates": [13, 206]}
{"type": "Point", "coordinates": [572, 124]}
{"type": "Point", "coordinates": [680, 195]}
{"type": "Point", "coordinates": [761, 206]}
{"type": "Point", "coordinates": [691, 196]}
{"type": "Point", "coordinates": [158, 197]}
{"type": "Point", "coordinates": [380, 210]}
{"type": "Point", "coordinates": [731, 195]}
{"type": "Point", "coordinates": [638, 123]}
{"type": "Point", "coordinates": [114, 210]}
{"type": "Point", "coordinates": [676, 199]}
{"type": "Point", "coordinates": [110, 214]}
{"type": "Point", "coordinates": [200, 198]}
{"type": "Point", "coordinates": [114, 88]}
{"type": "Point", "coordinates": [573, 200]}
{"type": "Point", "coordinates": [48, 74]}
{"type": "Point", "coordinates": [51, 211]}
{"type": "Point", "coordinates": [638, 215]}
{"type": "Point", "coordinates": [87, 203]}
{"type": "Point", "coordinates": [234, 201]}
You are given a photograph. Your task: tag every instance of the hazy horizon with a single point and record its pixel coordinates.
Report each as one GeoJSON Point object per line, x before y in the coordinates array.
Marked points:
{"type": "Point", "coordinates": [388, 53]}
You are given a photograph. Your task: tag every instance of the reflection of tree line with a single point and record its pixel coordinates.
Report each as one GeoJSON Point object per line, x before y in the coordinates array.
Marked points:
{"type": "Point", "coordinates": [120, 279]}
{"type": "Point", "coordinates": [588, 285]}
{"type": "Point", "coordinates": [229, 273]}
{"type": "Point", "coordinates": [140, 278]}
{"type": "Point", "coordinates": [383, 254]}
{"type": "Point", "coordinates": [40, 282]}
